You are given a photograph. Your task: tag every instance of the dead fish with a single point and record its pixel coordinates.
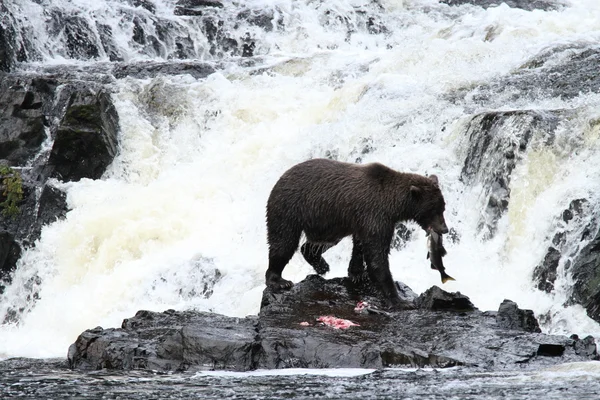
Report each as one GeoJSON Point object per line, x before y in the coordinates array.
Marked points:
{"type": "Point", "coordinates": [435, 254]}
{"type": "Point", "coordinates": [336, 323]}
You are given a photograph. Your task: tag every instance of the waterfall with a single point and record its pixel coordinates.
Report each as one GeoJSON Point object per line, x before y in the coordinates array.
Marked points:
{"type": "Point", "coordinates": [482, 97]}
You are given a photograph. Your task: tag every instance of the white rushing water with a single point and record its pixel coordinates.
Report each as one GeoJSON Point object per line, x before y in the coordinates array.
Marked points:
{"type": "Point", "coordinates": [186, 195]}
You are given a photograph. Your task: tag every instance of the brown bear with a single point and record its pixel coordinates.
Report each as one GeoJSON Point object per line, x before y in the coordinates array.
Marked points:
{"type": "Point", "coordinates": [329, 200]}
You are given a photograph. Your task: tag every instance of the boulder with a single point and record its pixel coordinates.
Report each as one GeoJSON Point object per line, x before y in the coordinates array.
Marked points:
{"type": "Point", "coordinates": [510, 316]}
{"type": "Point", "coordinates": [292, 331]}
{"type": "Point", "coordinates": [86, 140]}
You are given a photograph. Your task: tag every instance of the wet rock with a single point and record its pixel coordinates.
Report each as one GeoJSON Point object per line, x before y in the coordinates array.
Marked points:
{"type": "Point", "coordinates": [580, 262]}
{"type": "Point", "coordinates": [435, 299]}
{"type": "Point", "coordinates": [585, 346]}
{"type": "Point", "coordinates": [108, 43]}
{"type": "Point", "coordinates": [402, 235]}
{"type": "Point", "coordinates": [50, 126]}
{"type": "Point", "coordinates": [497, 141]}
{"type": "Point", "coordinates": [258, 17]}
{"type": "Point", "coordinates": [287, 334]}
{"type": "Point", "coordinates": [145, 4]}
{"type": "Point", "coordinates": [169, 341]}
{"type": "Point", "coordinates": [586, 277]}
{"type": "Point", "coordinates": [564, 71]}
{"type": "Point", "coordinates": [23, 120]}
{"type": "Point", "coordinates": [7, 56]}
{"type": "Point", "coordinates": [86, 140]}
{"type": "Point", "coordinates": [10, 252]}
{"type": "Point", "coordinates": [15, 44]}
{"type": "Point", "coordinates": [510, 316]}
{"type": "Point", "coordinates": [52, 205]}
{"type": "Point", "coordinates": [220, 40]}
{"type": "Point", "coordinates": [75, 30]}
{"type": "Point", "coordinates": [198, 70]}
{"type": "Point", "coordinates": [405, 292]}
{"type": "Point", "coordinates": [195, 7]}
{"type": "Point", "coordinates": [545, 273]}
{"type": "Point", "coordinates": [529, 5]}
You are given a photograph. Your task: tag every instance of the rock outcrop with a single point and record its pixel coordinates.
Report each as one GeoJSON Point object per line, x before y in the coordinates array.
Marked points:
{"type": "Point", "coordinates": [444, 330]}
{"type": "Point", "coordinates": [50, 129]}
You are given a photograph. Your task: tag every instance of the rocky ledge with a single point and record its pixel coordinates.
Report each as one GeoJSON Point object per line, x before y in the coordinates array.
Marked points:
{"type": "Point", "coordinates": [443, 330]}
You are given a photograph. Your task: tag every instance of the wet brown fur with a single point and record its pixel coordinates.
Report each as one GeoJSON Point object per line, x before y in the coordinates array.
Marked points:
{"type": "Point", "coordinates": [329, 200]}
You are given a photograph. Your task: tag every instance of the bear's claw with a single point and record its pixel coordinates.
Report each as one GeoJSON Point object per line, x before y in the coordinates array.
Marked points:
{"type": "Point", "coordinates": [280, 284]}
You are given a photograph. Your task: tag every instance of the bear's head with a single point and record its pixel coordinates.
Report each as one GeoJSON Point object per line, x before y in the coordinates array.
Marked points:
{"type": "Point", "coordinates": [429, 205]}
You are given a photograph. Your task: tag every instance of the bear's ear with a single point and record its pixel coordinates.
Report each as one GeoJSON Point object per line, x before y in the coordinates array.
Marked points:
{"type": "Point", "coordinates": [435, 180]}
{"type": "Point", "coordinates": [415, 190]}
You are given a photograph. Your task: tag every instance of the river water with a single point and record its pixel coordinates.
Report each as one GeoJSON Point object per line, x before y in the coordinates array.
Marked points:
{"type": "Point", "coordinates": [50, 380]}
{"type": "Point", "coordinates": [353, 80]}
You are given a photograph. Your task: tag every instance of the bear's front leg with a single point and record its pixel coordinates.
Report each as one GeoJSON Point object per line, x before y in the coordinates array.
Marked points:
{"type": "Point", "coordinates": [277, 263]}
{"type": "Point", "coordinates": [378, 269]}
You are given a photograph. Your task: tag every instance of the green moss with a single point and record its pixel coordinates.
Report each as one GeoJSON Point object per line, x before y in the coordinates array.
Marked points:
{"type": "Point", "coordinates": [83, 114]}
{"type": "Point", "coordinates": [13, 191]}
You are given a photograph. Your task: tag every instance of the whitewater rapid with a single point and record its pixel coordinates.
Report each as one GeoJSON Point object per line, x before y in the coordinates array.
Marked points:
{"type": "Point", "coordinates": [186, 195]}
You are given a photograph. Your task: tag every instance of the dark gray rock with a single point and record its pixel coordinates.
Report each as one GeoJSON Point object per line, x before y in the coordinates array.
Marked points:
{"type": "Point", "coordinates": [77, 34]}
{"type": "Point", "coordinates": [15, 44]}
{"type": "Point", "coordinates": [586, 275]}
{"type": "Point", "coordinates": [7, 56]}
{"type": "Point", "coordinates": [585, 346]}
{"type": "Point", "coordinates": [52, 205]}
{"type": "Point", "coordinates": [405, 292]}
{"type": "Point", "coordinates": [545, 273]}
{"type": "Point", "coordinates": [145, 4]}
{"type": "Point", "coordinates": [576, 247]}
{"type": "Point", "coordinates": [76, 121]}
{"type": "Point", "coordinates": [510, 316]}
{"type": "Point", "coordinates": [575, 224]}
{"type": "Point", "coordinates": [565, 71]}
{"type": "Point", "coordinates": [529, 5]}
{"type": "Point", "coordinates": [402, 235]}
{"type": "Point", "coordinates": [108, 43]}
{"type": "Point", "coordinates": [10, 252]}
{"type": "Point", "coordinates": [23, 119]}
{"type": "Point", "coordinates": [169, 341]}
{"type": "Point", "coordinates": [287, 334]}
{"type": "Point", "coordinates": [195, 7]}
{"type": "Point", "coordinates": [435, 299]}
{"type": "Point", "coordinates": [86, 140]}
{"type": "Point", "coordinates": [198, 70]}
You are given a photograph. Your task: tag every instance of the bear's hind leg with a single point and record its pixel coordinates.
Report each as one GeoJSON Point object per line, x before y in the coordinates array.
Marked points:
{"type": "Point", "coordinates": [313, 254]}
{"type": "Point", "coordinates": [281, 251]}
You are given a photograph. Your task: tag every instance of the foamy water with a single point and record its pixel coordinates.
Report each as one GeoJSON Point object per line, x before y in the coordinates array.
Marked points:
{"type": "Point", "coordinates": [186, 195]}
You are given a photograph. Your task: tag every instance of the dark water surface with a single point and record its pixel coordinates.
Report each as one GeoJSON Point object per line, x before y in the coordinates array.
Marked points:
{"type": "Point", "coordinates": [51, 379]}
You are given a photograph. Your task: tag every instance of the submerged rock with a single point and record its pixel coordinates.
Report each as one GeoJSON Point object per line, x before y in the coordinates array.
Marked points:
{"type": "Point", "coordinates": [287, 334]}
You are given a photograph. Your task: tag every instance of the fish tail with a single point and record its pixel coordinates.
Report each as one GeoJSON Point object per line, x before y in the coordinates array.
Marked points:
{"type": "Point", "coordinates": [446, 278]}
